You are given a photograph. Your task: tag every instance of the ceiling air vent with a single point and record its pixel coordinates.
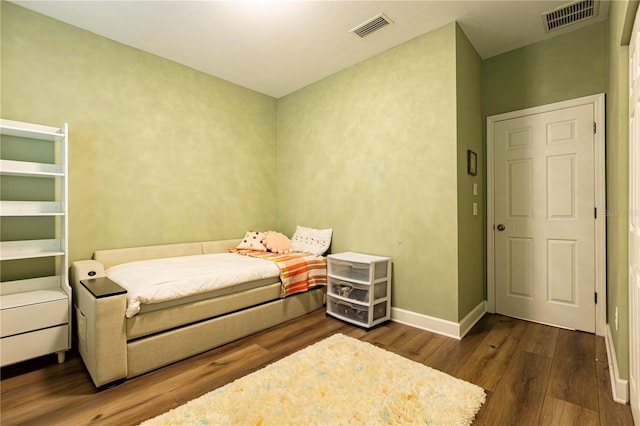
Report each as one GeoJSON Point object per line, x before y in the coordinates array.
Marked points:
{"type": "Point", "coordinates": [372, 25]}
{"type": "Point", "coordinates": [570, 14]}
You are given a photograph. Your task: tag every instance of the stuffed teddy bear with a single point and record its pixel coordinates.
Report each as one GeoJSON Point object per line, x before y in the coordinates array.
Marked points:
{"type": "Point", "coordinates": [276, 242]}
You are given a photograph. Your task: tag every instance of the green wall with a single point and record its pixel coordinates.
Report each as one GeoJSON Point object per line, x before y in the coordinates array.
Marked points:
{"type": "Point", "coordinates": [371, 152]}
{"type": "Point", "coordinates": [621, 16]}
{"type": "Point", "coordinates": [159, 153]}
{"type": "Point", "coordinates": [565, 67]}
{"type": "Point", "coordinates": [471, 229]}
{"type": "Point", "coordinates": [376, 152]}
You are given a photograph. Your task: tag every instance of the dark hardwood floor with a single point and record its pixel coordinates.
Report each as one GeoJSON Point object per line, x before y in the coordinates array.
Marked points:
{"type": "Point", "coordinates": [533, 374]}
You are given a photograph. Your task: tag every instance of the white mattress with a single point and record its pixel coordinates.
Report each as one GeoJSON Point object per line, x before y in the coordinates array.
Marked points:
{"type": "Point", "coordinates": [162, 280]}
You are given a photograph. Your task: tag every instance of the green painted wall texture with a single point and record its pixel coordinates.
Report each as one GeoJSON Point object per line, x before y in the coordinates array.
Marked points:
{"type": "Point", "coordinates": [471, 229]}
{"type": "Point", "coordinates": [565, 67]}
{"type": "Point", "coordinates": [371, 152]}
{"type": "Point", "coordinates": [618, 181]}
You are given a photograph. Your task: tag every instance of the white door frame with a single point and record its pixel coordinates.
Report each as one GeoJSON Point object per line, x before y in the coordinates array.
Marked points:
{"type": "Point", "coordinates": [634, 224]}
{"type": "Point", "coordinates": [600, 200]}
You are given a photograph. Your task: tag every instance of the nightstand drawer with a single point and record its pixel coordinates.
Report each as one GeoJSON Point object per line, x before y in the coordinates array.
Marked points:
{"type": "Point", "coordinates": [30, 345]}
{"type": "Point", "coordinates": [33, 317]}
{"type": "Point", "coordinates": [357, 292]}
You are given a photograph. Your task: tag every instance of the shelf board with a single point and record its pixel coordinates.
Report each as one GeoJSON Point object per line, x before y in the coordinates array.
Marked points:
{"type": "Point", "coordinates": [25, 168]}
{"type": "Point", "coordinates": [30, 249]}
{"type": "Point", "coordinates": [35, 284]}
{"type": "Point", "coordinates": [31, 131]}
{"type": "Point", "coordinates": [31, 208]}
{"type": "Point", "coordinates": [29, 255]}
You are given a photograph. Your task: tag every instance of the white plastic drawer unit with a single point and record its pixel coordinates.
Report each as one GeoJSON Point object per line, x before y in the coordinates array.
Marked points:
{"type": "Point", "coordinates": [359, 288]}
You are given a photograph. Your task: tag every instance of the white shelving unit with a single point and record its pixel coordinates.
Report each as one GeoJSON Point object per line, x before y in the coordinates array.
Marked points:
{"type": "Point", "coordinates": [35, 312]}
{"type": "Point", "coordinates": [359, 288]}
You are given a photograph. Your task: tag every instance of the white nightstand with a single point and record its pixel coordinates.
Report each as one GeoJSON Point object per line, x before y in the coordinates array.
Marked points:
{"type": "Point", "coordinates": [359, 288]}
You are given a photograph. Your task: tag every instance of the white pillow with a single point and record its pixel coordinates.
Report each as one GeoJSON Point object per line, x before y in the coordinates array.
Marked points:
{"type": "Point", "coordinates": [253, 241]}
{"type": "Point", "coordinates": [310, 240]}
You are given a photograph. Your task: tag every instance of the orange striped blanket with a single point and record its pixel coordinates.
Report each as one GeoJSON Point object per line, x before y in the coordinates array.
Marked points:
{"type": "Point", "coordinates": [298, 271]}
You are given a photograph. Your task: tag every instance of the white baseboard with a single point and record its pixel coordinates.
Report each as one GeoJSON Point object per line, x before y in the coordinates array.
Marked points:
{"type": "Point", "coordinates": [472, 318]}
{"type": "Point", "coordinates": [438, 325]}
{"type": "Point", "coordinates": [619, 387]}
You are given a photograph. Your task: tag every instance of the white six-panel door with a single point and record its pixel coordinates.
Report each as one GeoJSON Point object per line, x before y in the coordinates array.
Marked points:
{"type": "Point", "coordinates": [544, 251]}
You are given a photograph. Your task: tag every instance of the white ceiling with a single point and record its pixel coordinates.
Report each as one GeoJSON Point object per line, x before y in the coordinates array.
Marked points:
{"type": "Point", "coordinates": [277, 47]}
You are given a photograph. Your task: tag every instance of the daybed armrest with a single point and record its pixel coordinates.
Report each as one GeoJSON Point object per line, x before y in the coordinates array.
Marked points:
{"type": "Point", "coordinates": [81, 269]}
{"type": "Point", "coordinates": [100, 322]}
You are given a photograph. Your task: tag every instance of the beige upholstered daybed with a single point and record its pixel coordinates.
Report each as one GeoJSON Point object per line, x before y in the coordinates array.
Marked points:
{"type": "Point", "coordinates": [118, 340]}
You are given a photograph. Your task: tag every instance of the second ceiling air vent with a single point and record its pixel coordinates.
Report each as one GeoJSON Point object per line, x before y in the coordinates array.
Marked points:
{"type": "Point", "coordinates": [372, 25]}
{"type": "Point", "coordinates": [570, 14]}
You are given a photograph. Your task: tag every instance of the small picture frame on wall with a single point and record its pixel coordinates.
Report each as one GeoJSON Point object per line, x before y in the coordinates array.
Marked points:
{"type": "Point", "coordinates": [472, 163]}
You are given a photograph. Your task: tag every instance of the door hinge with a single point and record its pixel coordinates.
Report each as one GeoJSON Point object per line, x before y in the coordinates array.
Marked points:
{"type": "Point", "coordinates": [595, 297]}
{"type": "Point", "coordinates": [595, 212]}
{"type": "Point", "coordinates": [595, 126]}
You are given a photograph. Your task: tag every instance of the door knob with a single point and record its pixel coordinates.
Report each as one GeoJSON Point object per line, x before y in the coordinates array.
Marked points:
{"type": "Point", "coordinates": [501, 227]}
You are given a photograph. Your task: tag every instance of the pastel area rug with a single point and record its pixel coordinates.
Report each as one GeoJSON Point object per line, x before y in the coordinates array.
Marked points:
{"type": "Point", "coordinates": [339, 380]}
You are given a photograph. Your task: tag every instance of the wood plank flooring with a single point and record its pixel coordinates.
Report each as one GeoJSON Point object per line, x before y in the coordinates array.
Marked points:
{"type": "Point", "coordinates": [533, 374]}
